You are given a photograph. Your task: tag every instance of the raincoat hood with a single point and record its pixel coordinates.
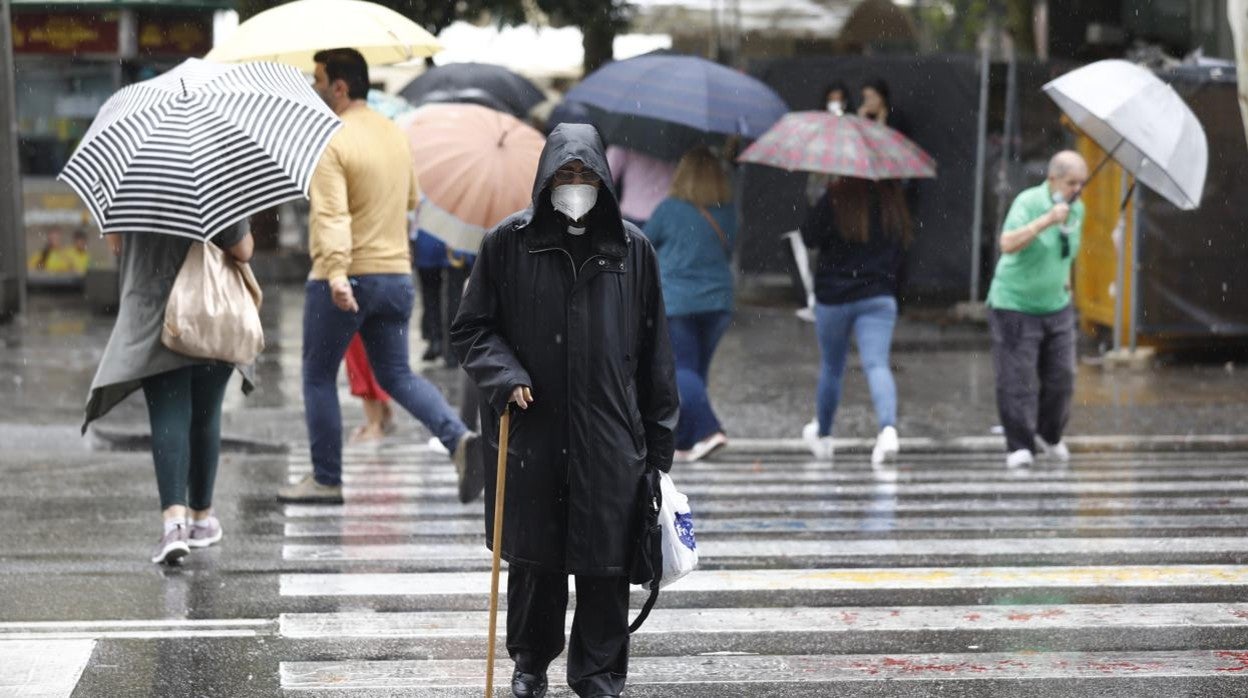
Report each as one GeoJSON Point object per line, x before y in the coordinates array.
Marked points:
{"type": "Point", "coordinates": [570, 142]}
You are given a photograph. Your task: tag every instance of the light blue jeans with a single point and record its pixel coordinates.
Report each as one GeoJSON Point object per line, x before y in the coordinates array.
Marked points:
{"type": "Point", "coordinates": [871, 320]}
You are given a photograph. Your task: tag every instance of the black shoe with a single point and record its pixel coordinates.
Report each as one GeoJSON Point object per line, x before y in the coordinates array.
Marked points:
{"type": "Point", "coordinates": [528, 685]}
{"type": "Point", "coordinates": [469, 467]}
{"type": "Point", "coordinates": [433, 351]}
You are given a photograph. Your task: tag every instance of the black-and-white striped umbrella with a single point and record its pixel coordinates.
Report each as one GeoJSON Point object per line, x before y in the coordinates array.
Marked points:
{"type": "Point", "coordinates": [199, 148]}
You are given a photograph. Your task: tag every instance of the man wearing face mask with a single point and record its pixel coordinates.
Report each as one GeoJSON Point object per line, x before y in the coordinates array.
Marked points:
{"type": "Point", "coordinates": [563, 316]}
{"type": "Point", "coordinates": [1032, 321]}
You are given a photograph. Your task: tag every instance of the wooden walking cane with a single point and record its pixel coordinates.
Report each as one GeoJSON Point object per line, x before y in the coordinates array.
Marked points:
{"type": "Point", "coordinates": [504, 430]}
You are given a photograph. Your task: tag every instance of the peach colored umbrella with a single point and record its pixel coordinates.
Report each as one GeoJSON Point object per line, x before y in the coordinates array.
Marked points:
{"type": "Point", "coordinates": [476, 166]}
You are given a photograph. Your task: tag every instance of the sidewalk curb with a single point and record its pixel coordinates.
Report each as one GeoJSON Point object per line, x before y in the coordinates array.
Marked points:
{"type": "Point", "coordinates": [1109, 443]}
{"type": "Point", "coordinates": [114, 440]}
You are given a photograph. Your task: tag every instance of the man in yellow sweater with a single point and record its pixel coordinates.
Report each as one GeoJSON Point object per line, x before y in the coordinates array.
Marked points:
{"type": "Point", "coordinates": [362, 189]}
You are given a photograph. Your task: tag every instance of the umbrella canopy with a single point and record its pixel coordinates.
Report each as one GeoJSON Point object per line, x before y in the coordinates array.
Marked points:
{"type": "Point", "coordinates": [1141, 122]}
{"type": "Point", "coordinates": [476, 166]}
{"type": "Point", "coordinates": [820, 141]}
{"type": "Point", "coordinates": [466, 95]}
{"type": "Point", "coordinates": [514, 92]}
{"type": "Point", "coordinates": [199, 148]}
{"type": "Point", "coordinates": [663, 104]}
{"type": "Point", "coordinates": [292, 33]}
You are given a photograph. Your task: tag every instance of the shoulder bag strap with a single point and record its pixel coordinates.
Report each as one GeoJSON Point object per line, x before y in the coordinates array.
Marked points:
{"type": "Point", "coordinates": [723, 239]}
{"type": "Point", "coordinates": [645, 608]}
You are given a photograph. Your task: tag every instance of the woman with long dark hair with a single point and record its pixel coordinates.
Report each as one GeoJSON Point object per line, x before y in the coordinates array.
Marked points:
{"type": "Point", "coordinates": [861, 230]}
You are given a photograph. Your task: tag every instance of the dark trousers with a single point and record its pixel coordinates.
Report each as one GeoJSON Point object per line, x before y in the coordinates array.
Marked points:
{"type": "Point", "coordinates": [1034, 359]}
{"type": "Point", "coordinates": [184, 407]}
{"type": "Point", "coordinates": [537, 604]}
{"type": "Point", "coordinates": [431, 304]}
{"type": "Point", "coordinates": [385, 302]}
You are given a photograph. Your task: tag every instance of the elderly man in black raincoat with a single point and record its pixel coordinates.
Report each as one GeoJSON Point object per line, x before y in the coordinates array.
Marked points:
{"type": "Point", "coordinates": [563, 315]}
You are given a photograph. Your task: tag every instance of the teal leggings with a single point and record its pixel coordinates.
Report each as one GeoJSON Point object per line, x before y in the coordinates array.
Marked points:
{"type": "Point", "coordinates": [184, 406]}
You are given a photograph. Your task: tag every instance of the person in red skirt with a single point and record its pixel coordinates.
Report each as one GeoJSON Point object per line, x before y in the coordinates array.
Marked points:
{"type": "Point", "coordinates": [379, 418]}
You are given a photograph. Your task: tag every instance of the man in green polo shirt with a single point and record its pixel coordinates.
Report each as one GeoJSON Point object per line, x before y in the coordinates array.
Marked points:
{"type": "Point", "coordinates": [1029, 312]}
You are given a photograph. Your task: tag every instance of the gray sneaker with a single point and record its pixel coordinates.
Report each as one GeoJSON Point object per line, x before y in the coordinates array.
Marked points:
{"type": "Point", "coordinates": [309, 491]}
{"type": "Point", "coordinates": [202, 536]}
{"type": "Point", "coordinates": [172, 547]}
{"type": "Point", "coordinates": [470, 467]}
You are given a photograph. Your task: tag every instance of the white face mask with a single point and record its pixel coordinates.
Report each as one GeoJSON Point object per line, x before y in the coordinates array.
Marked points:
{"type": "Point", "coordinates": [835, 107]}
{"type": "Point", "coordinates": [574, 200]}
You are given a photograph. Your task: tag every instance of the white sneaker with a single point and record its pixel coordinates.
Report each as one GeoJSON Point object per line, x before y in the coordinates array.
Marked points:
{"type": "Point", "coordinates": [886, 446]}
{"type": "Point", "coordinates": [706, 447]}
{"type": "Point", "coordinates": [1019, 459]}
{"type": "Point", "coordinates": [1058, 451]}
{"type": "Point", "coordinates": [820, 446]}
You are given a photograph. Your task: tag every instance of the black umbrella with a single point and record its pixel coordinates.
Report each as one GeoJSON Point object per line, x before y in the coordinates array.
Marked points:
{"type": "Point", "coordinates": [470, 95]}
{"type": "Point", "coordinates": [513, 91]}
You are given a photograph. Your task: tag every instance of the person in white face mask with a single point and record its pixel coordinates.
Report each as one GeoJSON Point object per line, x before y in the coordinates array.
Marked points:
{"type": "Point", "coordinates": [836, 101]}
{"type": "Point", "coordinates": [574, 191]}
{"type": "Point", "coordinates": [836, 98]}
{"type": "Point", "coordinates": [563, 323]}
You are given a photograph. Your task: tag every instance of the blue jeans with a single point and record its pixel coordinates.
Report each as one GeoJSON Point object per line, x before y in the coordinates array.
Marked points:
{"type": "Point", "coordinates": [871, 320]}
{"type": "Point", "coordinates": [694, 338]}
{"type": "Point", "coordinates": [385, 302]}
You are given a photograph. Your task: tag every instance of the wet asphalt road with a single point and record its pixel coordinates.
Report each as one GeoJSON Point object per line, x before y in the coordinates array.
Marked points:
{"type": "Point", "coordinates": [1122, 575]}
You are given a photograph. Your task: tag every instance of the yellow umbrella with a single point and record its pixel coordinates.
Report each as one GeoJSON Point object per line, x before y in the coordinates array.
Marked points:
{"type": "Point", "coordinates": [293, 32]}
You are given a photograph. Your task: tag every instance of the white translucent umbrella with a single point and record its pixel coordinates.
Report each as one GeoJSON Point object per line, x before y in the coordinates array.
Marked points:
{"type": "Point", "coordinates": [292, 33]}
{"type": "Point", "coordinates": [1141, 122]}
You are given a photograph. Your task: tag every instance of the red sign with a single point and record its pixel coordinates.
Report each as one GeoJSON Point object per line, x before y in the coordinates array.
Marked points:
{"type": "Point", "coordinates": [168, 34]}
{"type": "Point", "coordinates": [65, 33]}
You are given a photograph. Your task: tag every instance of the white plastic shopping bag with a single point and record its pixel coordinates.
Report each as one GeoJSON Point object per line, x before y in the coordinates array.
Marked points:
{"type": "Point", "coordinates": [680, 551]}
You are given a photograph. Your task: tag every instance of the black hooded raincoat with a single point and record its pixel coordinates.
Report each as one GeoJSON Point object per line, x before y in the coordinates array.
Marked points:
{"type": "Point", "coordinates": [592, 344]}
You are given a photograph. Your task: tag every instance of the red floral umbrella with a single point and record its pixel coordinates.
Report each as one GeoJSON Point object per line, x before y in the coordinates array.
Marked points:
{"type": "Point", "coordinates": [848, 146]}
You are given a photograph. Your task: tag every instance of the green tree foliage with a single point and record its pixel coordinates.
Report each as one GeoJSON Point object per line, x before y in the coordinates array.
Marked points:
{"type": "Point", "coordinates": [955, 25]}
{"type": "Point", "coordinates": [598, 20]}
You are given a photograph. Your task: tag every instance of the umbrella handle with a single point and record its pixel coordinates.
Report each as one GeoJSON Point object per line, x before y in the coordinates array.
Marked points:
{"type": "Point", "coordinates": [504, 431]}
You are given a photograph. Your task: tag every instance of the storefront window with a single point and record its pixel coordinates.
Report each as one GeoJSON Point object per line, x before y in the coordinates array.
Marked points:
{"type": "Point", "coordinates": [56, 100]}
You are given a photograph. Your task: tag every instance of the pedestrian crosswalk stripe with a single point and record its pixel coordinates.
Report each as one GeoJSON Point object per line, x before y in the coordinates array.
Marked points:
{"type": "Point", "coordinates": [135, 629]}
{"type": "Point", "coordinates": [951, 506]}
{"type": "Point", "coordinates": [445, 474]}
{"type": "Point", "coordinates": [675, 674]}
{"type": "Point", "coordinates": [755, 621]}
{"type": "Point", "coordinates": [473, 526]}
{"type": "Point", "coordinates": [900, 489]}
{"type": "Point", "coordinates": [714, 550]}
{"type": "Point", "coordinates": [43, 668]}
{"type": "Point", "coordinates": [874, 578]}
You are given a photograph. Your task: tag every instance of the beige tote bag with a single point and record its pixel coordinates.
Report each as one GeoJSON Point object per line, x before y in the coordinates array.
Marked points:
{"type": "Point", "coordinates": [214, 309]}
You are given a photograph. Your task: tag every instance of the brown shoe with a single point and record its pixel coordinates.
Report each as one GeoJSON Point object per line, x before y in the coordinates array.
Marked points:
{"type": "Point", "coordinates": [309, 491]}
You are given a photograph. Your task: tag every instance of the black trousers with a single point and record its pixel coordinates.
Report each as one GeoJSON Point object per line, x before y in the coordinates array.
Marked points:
{"type": "Point", "coordinates": [537, 604]}
{"type": "Point", "coordinates": [1034, 359]}
{"type": "Point", "coordinates": [430, 304]}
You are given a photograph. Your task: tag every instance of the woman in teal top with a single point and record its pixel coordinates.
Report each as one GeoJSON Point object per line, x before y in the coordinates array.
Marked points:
{"type": "Point", "coordinates": [693, 231]}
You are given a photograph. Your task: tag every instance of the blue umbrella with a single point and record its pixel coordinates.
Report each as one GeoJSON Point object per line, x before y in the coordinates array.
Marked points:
{"type": "Point", "coordinates": [659, 103]}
